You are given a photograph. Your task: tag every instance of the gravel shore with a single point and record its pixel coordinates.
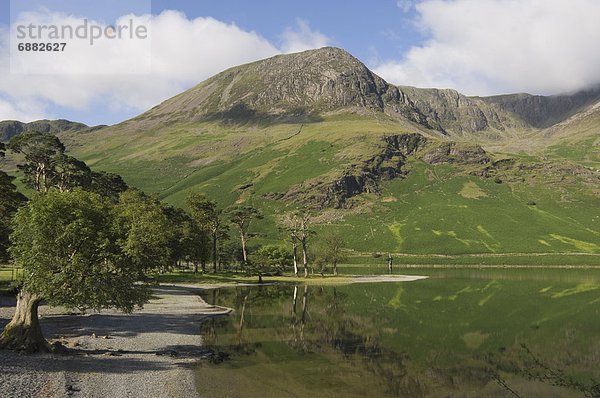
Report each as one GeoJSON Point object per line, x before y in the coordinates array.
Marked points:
{"type": "Point", "coordinates": [149, 353]}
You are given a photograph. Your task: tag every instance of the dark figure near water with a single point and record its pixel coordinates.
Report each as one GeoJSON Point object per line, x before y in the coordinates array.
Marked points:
{"type": "Point", "coordinates": [390, 262]}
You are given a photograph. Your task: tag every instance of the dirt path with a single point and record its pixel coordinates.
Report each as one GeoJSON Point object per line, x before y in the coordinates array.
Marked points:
{"type": "Point", "coordinates": [146, 354]}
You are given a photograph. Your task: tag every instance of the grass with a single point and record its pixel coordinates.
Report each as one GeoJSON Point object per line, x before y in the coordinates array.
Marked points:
{"type": "Point", "coordinates": [236, 278]}
{"type": "Point", "coordinates": [7, 275]}
{"type": "Point", "coordinates": [431, 215]}
{"type": "Point", "coordinates": [216, 157]}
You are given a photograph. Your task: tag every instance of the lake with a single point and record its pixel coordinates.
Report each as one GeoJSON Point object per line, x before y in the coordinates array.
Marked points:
{"type": "Point", "coordinates": [459, 333]}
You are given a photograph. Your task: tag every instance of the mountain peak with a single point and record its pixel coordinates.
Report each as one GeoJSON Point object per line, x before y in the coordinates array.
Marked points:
{"type": "Point", "coordinates": [325, 53]}
{"type": "Point", "coordinates": [308, 86]}
{"type": "Point", "coordinates": [287, 85]}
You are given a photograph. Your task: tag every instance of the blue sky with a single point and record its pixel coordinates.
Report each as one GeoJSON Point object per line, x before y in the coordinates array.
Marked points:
{"type": "Point", "coordinates": [367, 29]}
{"type": "Point", "coordinates": [479, 47]}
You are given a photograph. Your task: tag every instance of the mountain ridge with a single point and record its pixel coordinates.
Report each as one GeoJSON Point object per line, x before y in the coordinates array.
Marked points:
{"type": "Point", "coordinates": [305, 86]}
{"type": "Point", "coordinates": [10, 128]}
{"type": "Point", "coordinates": [301, 86]}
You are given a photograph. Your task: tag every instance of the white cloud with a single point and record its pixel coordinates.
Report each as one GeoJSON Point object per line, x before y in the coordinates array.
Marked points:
{"type": "Point", "coordinates": [406, 5]}
{"type": "Point", "coordinates": [184, 52]}
{"type": "Point", "coordinates": [23, 110]}
{"type": "Point", "coordinates": [493, 46]}
{"type": "Point", "coordinates": [302, 37]}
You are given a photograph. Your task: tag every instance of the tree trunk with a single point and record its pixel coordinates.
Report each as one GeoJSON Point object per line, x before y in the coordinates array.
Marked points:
{"type": "Point", "coordinates": [390, 262]}
{"type": "Point", "coordinates": [203, 262]}
{"type": "Point", "coordinates": [195, 266]}
{"type": "Point", "coordinates": [38, 175]}
{"type": "Point", "coordinates": [305, 259]}
{"type": "Point", "coordinates": [242, 322]}
{"type": "Point", "coordinates": [244, 253]}
{"type": "Point", "coordinates": [304, 309]}
{"type": "Point", "coordinates": [24, 333]}
{"type": "Point", "coordinates": [335, 268]}
{"type": "Point", "coordinates": [295, 252]}
{"type": "Point", "coordinates": [295, 300]}
{"type": "Point", "coordinates": [214, 252]}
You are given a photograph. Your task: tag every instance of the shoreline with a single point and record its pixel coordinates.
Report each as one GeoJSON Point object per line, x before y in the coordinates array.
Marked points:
{"type": "Point", "coordinates": [150, 352]}
{"type": "Point", "coordinates": [314, 280]}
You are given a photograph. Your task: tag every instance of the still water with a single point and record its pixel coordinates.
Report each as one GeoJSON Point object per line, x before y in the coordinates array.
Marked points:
{"type": "Point", "coordinates": [460, 333]}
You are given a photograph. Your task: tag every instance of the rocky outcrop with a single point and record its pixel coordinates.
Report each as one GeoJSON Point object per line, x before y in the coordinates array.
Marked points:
{"type": "Point", "coordinates": [540, 111]}
{"type": "Point", "coordinates": [363, 178]}
{"type": "Point", "coordinates": [450, 112]}
{"type": "Point", "coordinates": [454, 153]}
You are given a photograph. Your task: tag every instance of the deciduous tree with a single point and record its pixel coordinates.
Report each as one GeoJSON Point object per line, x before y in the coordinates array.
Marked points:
{"type": "Point", "coordinates": [109, 185]}
{"type": "Point", "coordinates": [333, 250]}
{"type": "Point", "coordinates": [298, 226]}
{"type": "Point", "coordinates": [69, 173]}
{"type": "Point", "coordinates": [81, 251]}
{"type": "Point", "coordinates": [241, 217]}
{"type": "Point", "coordinates": [40, 151]}
{"type": "Point", "coordinates": [144, 230]}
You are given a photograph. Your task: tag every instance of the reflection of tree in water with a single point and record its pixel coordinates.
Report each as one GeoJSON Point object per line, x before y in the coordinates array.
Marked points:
{"type": "Point", "coordinates": [310, 319]}
{"type": "Point", "coordinates": [298, 318]}
{"type": "Point", "coordinates": [234, 329]}
{"type": "Point", "coordinates": [357, 338]}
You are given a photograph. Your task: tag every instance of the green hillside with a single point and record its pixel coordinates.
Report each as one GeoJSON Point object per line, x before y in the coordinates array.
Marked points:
{"type": "Point", "coordinates": [527, 207]}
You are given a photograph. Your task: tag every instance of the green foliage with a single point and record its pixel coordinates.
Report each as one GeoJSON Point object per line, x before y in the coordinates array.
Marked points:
{"type": "Point", "coordinates": [68, 173]}
{"type": "Point", "coordinates": [241, 216]}
{"type": "Point", "coordinates": [144, 231]}
{"type": "Point", "coordinates": [187, 241]}
{"type": "Point", "coordinates": [40, 151]}
{"type": "Point", "coordinates": [202, 209]}
{"type": "Point", "coordinates": [333, 249]}
{"type": "Point", "coordinates": [10, 200]}
{"type": "Point", "coordinates": [47, 166]}
{"type": "Point", "coordinates": [230, 253]}
{"type": "Point", "coordinates": [79, 251]}
{"type": "Point", "coordinates": [109, 185]}
{"type": "Point", "coordinates": [272, 257]}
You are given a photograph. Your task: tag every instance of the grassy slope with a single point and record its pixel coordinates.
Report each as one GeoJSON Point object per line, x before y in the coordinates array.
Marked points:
{"type": "Point", "coordinates": [576, 139]}
{"type": "Point", "coordinates": [218, 158]}
{"type": "Point", "coordinates": [580, 141]}
{"type": "Point", "coordinates": [437, 209]}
